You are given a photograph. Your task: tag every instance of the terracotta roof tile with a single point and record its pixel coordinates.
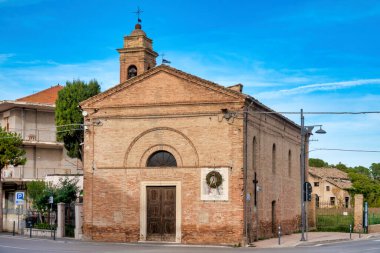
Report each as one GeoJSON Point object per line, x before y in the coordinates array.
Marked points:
{"type": "Point", "coordinates": [48, 96]}
{"type": "Point", "coordinates": [333, 176]}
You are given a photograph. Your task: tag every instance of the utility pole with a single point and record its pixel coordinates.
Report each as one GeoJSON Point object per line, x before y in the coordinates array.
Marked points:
{"type": "Point", "coordinates": [303, 220]}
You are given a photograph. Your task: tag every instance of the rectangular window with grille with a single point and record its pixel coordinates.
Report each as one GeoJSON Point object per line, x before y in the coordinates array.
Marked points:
{"type": "Point", "coordinates": [316, 184]}
{"type": "Point", "coordinates": [332, 201]}
{"type": "Point", "coordinates": [328, 188]}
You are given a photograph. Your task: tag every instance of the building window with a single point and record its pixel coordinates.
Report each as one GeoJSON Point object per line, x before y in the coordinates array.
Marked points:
{"type": "Point", "coordinates": [327, 188]}
{"type": "Point", "coordinates": [6, 124]}
{"type": "Point", "coordinates": [332, 201]}
{"type": "Point", "coordinates": [254, 154]}
{"type": "Point", "coordinates": [161, 159]}
{"type": "Point", "coordinates": [316, 184]}
{"type": "Point", "coordinates": [274, 158]}
{"type": "Point", "coordinates": [290, 163]}
{"type": "Point", "coordinates": [316, 200]}
{"type": "Point", "coordinates": [132, 71]}
{"type": "Point", "coordinates": [346, 202]}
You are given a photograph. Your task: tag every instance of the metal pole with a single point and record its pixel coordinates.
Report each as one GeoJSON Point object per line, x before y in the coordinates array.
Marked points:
{"type": "Point", "coordinates": [302, 162]}
{"type": "Point", "coordinates": [350, 230]}
{"type": "Point", "coordinates": [279, 235]}
{"type": "Point", "coordinates": [14, 228]}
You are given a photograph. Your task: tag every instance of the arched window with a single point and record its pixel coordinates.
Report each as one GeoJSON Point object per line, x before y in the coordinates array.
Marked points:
{"type": "Point", "coordinates": [132, 71]}
{"type": "Point", "coordinates": [290, 163]}
{"type": "Point", "coordinates": [254, 154]}
{"type": "Point", "coordinates": [274, 158]}
{"type": "Point", "coordinates": [161, 158]}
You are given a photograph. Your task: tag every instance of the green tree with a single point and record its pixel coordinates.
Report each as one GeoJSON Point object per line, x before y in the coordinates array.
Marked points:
{"type": "Point", "coordinates": [316, 162]}
{"type": "Point", "coordinates": [375, 170]}
{"type": "Point", "coordinates": [361, 170]}
{"type": "Point", "coordinates": [342, 167]}
{"type": "Point", "coordinates": [11, 153]}
{"type": "Point", "coordinates": [66, 191]}
{"type": "Point", "coordinates": [68, 116]}
{"type": "Point", "coordinates": [367, 186]}
{"type": "Point", "coordinates": [35, 189]}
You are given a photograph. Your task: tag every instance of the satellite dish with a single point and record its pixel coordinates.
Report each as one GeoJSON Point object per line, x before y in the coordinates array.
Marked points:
{"type": "Point", "coordinates": [84, 113]}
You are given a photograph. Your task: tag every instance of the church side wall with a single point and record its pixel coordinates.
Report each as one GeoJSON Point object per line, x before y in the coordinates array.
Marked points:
{"type": "Point", "coordinates": [278, 186]}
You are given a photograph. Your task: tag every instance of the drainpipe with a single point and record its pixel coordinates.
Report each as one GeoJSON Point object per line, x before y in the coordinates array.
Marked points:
{"type": "Point", "coordinates": [245, 148]}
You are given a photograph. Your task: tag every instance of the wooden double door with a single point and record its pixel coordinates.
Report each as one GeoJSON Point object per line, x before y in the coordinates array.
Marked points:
{"type": "Point", "coordinates": [161, 213]}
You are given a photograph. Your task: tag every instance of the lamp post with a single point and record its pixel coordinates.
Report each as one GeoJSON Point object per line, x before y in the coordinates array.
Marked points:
{"type": "Point", "coordinates": [305, 131]}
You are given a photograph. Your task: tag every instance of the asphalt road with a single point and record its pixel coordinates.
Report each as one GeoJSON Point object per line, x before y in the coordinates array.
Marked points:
{"type": "Point", "coordinates": [18, 244]}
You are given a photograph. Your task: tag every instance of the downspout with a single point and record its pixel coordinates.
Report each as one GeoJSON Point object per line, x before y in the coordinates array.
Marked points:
{"type": "Point", "coordinates": [245, 148]}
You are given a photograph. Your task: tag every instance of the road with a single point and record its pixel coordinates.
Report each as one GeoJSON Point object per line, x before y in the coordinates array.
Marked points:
{"type": "Point", "coordinates": [18, 244]}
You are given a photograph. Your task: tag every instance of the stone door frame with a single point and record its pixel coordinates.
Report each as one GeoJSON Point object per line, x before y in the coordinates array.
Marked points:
{"type": "Point", "coordinates": [143, 207]}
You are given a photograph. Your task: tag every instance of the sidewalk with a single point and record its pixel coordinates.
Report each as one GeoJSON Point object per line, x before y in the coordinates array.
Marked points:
{"type": "Point", "coordinates": [314, 238]}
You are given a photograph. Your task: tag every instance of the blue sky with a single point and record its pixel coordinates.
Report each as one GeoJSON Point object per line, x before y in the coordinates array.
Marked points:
{"type": "Point", "coordinates": [316, 55]}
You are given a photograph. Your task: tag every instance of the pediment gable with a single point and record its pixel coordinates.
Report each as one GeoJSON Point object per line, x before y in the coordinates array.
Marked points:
{"type": "Point", "coordinates": [164, 85]}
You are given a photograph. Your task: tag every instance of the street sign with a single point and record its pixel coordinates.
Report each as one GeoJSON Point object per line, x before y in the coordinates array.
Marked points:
{"type": "Point", "coordinates": [20, 196]}
{"type": "Point", "coordinates": [51, 200]}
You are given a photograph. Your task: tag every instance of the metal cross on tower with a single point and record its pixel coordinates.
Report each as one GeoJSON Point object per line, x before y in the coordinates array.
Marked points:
{"type": "Point", "coordinates": [138, 12]}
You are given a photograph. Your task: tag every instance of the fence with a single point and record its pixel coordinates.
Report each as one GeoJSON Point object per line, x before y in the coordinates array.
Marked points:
{"type": "Point", "coordinates": [69, 220]}
{"type": "Point", "coordinates": [333, 218]}
{"type": "Point", "coordinates": [373, 216]}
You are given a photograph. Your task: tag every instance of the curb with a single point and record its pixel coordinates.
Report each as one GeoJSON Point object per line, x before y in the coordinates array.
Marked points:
{"type": "Point", "coordinates": [304, 244]}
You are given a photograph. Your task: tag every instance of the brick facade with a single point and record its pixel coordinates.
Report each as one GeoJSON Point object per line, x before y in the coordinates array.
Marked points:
{"type": "Point", "coordinates": [203, 125]}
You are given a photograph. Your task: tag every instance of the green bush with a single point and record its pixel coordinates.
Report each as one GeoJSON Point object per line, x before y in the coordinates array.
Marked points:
{"type": "Point", "coordinates": [44, 226]}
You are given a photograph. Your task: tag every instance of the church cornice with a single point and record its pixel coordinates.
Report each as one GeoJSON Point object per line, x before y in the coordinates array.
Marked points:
{"type": "Point", "coordinates": [137, 50]}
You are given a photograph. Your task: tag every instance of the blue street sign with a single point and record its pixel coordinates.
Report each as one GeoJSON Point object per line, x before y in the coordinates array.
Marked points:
{"type": "Point", "coordinates": [20, 196]}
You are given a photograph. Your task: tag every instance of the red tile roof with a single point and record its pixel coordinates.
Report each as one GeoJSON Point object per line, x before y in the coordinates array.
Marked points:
{"type": "Point", "coordinates": [333, 176]}
{"type": "Point", "coordinates": [48, 96]}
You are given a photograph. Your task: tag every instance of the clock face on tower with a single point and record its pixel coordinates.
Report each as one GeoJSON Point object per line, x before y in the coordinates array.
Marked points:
{"type": "Point", "coordinates": [214, 184]}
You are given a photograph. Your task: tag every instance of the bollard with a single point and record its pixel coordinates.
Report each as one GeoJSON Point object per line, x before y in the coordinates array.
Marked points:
{"type": "Point", "coordinates": [14, 228]}
{"type": "Point", "coordinates": [350, 230]}
{"type": "Point", "coordinates": [30, 232]}
{"type": "Point", "coordinates": [279, 235]}
{"type": "Point", "coordinates": [54, 234]}
{"type": "Point", "coordinates": [360, 235]}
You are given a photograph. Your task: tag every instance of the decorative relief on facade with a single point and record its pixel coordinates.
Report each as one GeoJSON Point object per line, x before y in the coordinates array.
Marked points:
{"type": "Point", "coordinates": [214, 184]}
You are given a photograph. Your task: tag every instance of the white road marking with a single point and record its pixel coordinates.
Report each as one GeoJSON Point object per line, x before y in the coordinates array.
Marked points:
{"type": "Point", "coordinates": [12, 247]}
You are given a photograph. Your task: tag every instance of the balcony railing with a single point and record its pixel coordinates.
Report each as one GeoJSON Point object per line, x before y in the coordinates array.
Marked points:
{"type": "Point", "coordinates": [36, 135]}
{"type": "Point", "coordinates": [21, 173]}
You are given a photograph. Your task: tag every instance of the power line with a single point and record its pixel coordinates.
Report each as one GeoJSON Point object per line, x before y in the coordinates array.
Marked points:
{"type": "Point", "coordinates": [353, 113]}
{"type": "Point", "coordinates": [347, 150]}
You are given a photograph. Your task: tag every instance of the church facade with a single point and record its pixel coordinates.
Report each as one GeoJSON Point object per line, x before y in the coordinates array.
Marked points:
{"type": "Point", "coordinates": [172, 157]}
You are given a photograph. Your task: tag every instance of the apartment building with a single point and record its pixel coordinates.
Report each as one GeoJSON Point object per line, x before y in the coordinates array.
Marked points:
{"type": "Point", "coordinates": [33, 118]}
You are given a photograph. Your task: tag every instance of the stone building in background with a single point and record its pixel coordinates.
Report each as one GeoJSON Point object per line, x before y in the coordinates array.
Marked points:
{"type": "Point", "coordinates": [170, 156]}
{"type": "Point", "coordinates": [330, 186]}
{"type": "Point", "coordinates": [33, 118]}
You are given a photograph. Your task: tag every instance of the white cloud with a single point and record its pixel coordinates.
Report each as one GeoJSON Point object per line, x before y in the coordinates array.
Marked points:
{"type": "Point", "coordinates": [319, 87]}
{"type": "Point", "coordinates": [249, 72]}
{"type": "Point", "coordinates": [18, 82]}
{"type": "Point", "coordinates": [5, 57]}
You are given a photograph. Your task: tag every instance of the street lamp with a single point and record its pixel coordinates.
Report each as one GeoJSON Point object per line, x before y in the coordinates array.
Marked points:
{"type": "Point", "coordinates": [305, 132]}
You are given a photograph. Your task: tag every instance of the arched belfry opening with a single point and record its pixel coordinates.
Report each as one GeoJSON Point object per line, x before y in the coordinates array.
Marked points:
{"type": "Point", "coordinates": [132, 71]}
{"type": "Point", "coordinates": [137, 55]}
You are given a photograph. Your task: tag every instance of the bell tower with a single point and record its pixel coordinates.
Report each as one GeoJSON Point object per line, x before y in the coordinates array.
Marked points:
{"type": "Point", "coordinates": [137, 54]}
